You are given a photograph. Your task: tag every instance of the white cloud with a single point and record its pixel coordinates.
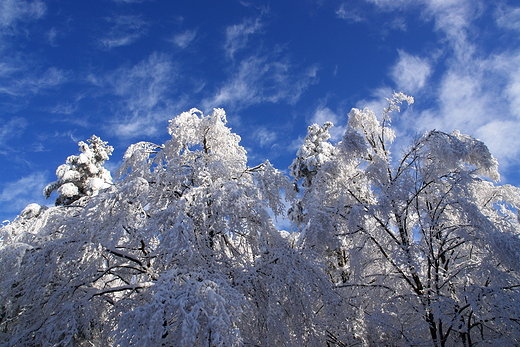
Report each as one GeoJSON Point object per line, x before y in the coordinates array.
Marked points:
{"type": "Point", "coordinates": [137, 124]}
{"type": "Point", "coordinates": [391, 4]}
{"type": "Point", "coordinates": [237, 36]}
{"type": "Point", "coordinates": [12, 11]}
{"type": "Point", "coordinates": [125, 31]}
{"type": "Point", "coordinates": [144, 84]}
{"type": "Point", "coordinates": [7, 68]}
{"type": "Point", "coordinates": [513, 92]}
{"type": "Point", "coordinates": [261, 5]}
{"type": "Point", "coordinates": [410, 73]}
{"type": "Point", "coordinates": [357, 11]}
{"type": "Point", "coordinates": [295, 145]}
{"type": "Point", "coordinates": [451, 17]}
{"type": "Point", "coordinates": [52, 77]}
{"type": "Point", "coordinates": [398, 23]}
{"type": "Point", "coordinates": [51, 37]}
{"type": "Point", "coordinates": [66, 108]}
{"type": "Point", "coordinates": [377, 102]}
{"type": "Point", "coordinates": [16, 195]}
{"type": "Point", "coordinates": [464, 104]}
{"type": "Point", "coordinates": [9, 130]}
{"type": "Point", "coordinates": [184, 39]}
{"type": "Point", "coordinates": [16, 80]}
{"type": "Point", "coordinates": [350, 13]}
{"type": "Point", "coordinates": [129, 1]}
{"type": "Point", "coordinates": [508, 17]}
{"type": "Point", "coordinates": [264, 136]}
{"type": "Point", "coordinates": [501, 137]}
{"type": "Point", "coordinates": [144, 91]}
{"type": "Point", "coordinates": [481, 98]}
{"type": "Point", "coordinates": [261, 78]}
{"type": "Point", "coordinates": [20, 74]}
{"type": "Point", "coordinates": [324, 114]}
{"type": "Point", "coordinates": [477, 93]}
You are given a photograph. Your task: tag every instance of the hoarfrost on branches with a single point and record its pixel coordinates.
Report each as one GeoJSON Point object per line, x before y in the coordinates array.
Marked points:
{"type": "Point", "coordinates": [425, 244]}
{"type": "Point", "coordinates": [314, 152]}
{"type": "Point", "coordinates": [178, 244]}
{"type": "Point", "coordinates": [181, 249]}
{"type": "Point", "coordinates": [82, 175]}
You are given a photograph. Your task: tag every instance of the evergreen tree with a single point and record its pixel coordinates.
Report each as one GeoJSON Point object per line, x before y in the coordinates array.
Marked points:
{"type": "Point", "coordinates": [82, 175]}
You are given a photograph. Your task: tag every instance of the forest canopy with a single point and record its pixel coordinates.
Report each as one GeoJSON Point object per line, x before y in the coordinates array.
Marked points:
{"type": "Point", "coordinates": [415, 248]}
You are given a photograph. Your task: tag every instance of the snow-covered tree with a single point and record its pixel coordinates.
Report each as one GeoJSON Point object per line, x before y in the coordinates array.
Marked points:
{"type": "Point", "coordinates": [423, 246]}
{"type": "Point", "coordinates": [82, 175]}
{"type": "Point", "coordinates": [180, 250]}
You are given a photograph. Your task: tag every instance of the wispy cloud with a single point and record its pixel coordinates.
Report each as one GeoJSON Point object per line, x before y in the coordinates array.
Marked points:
{"type": "Point", "coordinates": [144, 91]}
{"type": "Point", "coordinates": [125, 30]}
{"type": "Point", "coordinates": [51, 78]}
{"type": "Point", "coordinates": [364, 11]}
{"type": "Point", "coordinates": [264, 136]}
{"type": "Point", "coordinates": [237, 35]}
{"type": "Point", "coordinates": [51, 37]}
{"type": "Point", "coordinates": [12, 11]}
{"type": "Point", "coordinates": [14, 67]}
{"type": "Point", "coordinates": [350, 13]}
{"type": "Point", "coordinates": [410, 73]}
{"type": "Point", "coordinates": [262, 78]}
{"type": "Point", "coordinates": [144, 84]}
{"type": "Point", "coordinates": [10, 129]}
{"type": "Point", "coordinates": [18, 194]}
{"type": "Point", "coordinates": [17, 80]}
{"type": "Point", "coordinates": [65, 108]}
{"type": "Point", "coordinates": [477, 93]}
{"type": "Point", "coordinates": [476, 98]}
{"type": "Point", "coordinates": [502, 112]}
{"type": "Point", "coordinates": [501, 136]}
{"type": "Point", "coordinates": [509, 65]}
{"type": "Point", "coordinates": [261, 5]}
{"type": "Point", "coordinates": [183, 39]}
{"type": "Point", "coordinates": [451, 18]}
{"type": "Point", "coordinates": [129, 1]}
{"type": "Point", "coordinates": [508, 17]}
{"type": "Point", "coordinates": [463, 99]}
{"type": "Point", "coordinates": [394, 4]}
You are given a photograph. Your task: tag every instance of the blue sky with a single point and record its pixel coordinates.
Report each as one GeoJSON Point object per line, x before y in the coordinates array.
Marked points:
{"type": "Point", "coordinates": [121, 69]}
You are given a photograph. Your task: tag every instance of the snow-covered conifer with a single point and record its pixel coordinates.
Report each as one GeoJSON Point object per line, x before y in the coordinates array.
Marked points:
{"type": "Point", "coordinates": [83, 174]}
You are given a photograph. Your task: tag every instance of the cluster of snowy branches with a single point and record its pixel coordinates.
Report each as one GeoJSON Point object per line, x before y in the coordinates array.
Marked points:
{"type": "Point", "coordinates": [181, 250]}
{"type": "Point", "coordinates": [82, 174]}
